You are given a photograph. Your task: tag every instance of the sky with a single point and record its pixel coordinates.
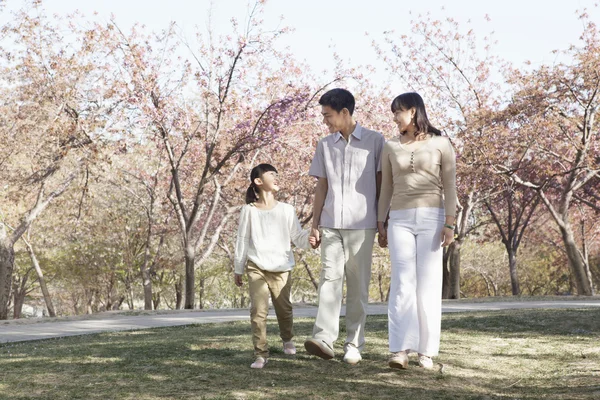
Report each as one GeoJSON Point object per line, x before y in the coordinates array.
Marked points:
{"type": "Point", "coordinates": [526, 30]}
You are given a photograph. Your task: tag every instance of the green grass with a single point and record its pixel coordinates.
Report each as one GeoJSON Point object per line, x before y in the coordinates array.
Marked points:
{"type": "Point", "coordinates": [512, 354]}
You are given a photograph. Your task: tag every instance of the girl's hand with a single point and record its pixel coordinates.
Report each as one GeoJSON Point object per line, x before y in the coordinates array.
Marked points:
{"type": "Point", "coordinates": [238, 280]}
{"type": "Point", "coordinates": [382, 235]}
{"type": "Point", "coordinates": [447, 236]}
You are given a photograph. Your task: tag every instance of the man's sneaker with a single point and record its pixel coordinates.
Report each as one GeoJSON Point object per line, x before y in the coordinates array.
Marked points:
{"type": "Point", "coordinates": [289, 348]}
{"type": "Point", "coordinates": [319, 348]}
{"type": "Point", "coordinates": [425, 362]}
{"type": "Point", "coordinates": [259, 362]}
{"type": "Point", "coordinates": [398, 360]}
{"type": "Point", "coordinates": [352, 355]}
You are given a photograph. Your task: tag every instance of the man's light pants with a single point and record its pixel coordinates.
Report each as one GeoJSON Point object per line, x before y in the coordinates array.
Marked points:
{"type": "Point", "coordinates": [344, 252]}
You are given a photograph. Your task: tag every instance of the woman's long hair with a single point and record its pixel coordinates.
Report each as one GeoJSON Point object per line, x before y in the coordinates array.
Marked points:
{"type": "Point", "coordinates": [257, 172]}
{"type": "Point", "coordinates": [406, 101]}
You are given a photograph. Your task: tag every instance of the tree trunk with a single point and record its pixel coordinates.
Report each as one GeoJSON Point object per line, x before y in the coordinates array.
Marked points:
{"type": "Point", "coordinates": [512, 266]}
{"type": "Point", "coordinates": [201, 294]}
{"type": "Point", "coordinates": [311, 276]}
{"type": "Point", "coordinates": [156, 300]}
{"type": "Point", "coordinates": [190, 258]}
{"type": "Point", "coordinates": [91, 305]}
{"type": "Point", "coordinates": [380, 281]}
{"type": "Point", "coordinates": [7, 252]}
{"type": "Point", "coordinates": [117, 305]}
{"type": "Point", "coordinates": [145, 273]}
{"type": "Point", "coordinates": [147, 284]}
{"type": "Point", "coordinates": [451, 290]}
{"type": "Point", "coordinates": [19, 294]}
{"type": "Point", "coordinates": [7, 259]}
{"type": "Point", "coordinates": [487, 283]}
{"type": "Point", "coordinates": [387, 295]}
{"type": "Point", "coordinates": [18, 308]}
{"type": "Point", "coordinates": [42, 281]}
{"type": "Point", "coordinates": [130, 296]}
{"type": "Point", "coordinates": [178, 294]}
{"type": "Point", "coordinates": [454, 261]}
{"type": "Point", "coordinates": [446, 273]}
{"type": "Point", "coordinates": [110, 293]}
{"type": "Point", "coordinates": [583, 280]}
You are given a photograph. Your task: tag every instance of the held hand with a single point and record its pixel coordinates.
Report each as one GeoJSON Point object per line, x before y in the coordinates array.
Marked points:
{"type": "Point", "coordinates": [315, 238]}
{"type": "Point", "coordinates": [238, 280]}
{"type": "Point", "coordinates": [447, 236]}
{"type": "Point", "coordinates": [382, 235]}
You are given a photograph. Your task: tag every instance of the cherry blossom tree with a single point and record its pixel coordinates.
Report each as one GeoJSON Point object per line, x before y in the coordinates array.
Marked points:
{"type": "Point", "coordinates": [229, 99]}
{"type": "Point", "coordinates": [55, 112]}
{"type": "Point", "coordinates": [554, 112]}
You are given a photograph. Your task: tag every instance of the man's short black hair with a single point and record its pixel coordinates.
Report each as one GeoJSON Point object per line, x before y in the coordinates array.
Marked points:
{"type": "Point", "coordinates": [338, 99]}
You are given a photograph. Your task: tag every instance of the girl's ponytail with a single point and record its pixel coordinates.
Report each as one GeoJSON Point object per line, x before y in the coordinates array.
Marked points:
{"type": "Point", "coordinates": [251, 193]}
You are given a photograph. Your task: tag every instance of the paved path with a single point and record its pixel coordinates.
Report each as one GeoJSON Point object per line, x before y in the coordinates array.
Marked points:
{"type": "Point", "coordinates": [23, 330]}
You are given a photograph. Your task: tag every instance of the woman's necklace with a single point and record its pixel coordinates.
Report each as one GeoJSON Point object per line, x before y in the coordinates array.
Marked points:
{"type": "Point", "coordinates": [419, 137]}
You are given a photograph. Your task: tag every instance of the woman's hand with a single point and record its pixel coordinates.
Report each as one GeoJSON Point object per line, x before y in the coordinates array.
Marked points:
{"type": "Point", "coordinates": [447, 236]}
{"type": "Point", "coordinates": [382, 235]}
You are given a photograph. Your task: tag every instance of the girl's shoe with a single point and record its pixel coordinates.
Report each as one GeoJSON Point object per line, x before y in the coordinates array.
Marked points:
{"type": "Point", "coordinates": [398, 360]}
{"type": "Point", "coordinates": [289, 348]}
{"type": "Point", "coordinates": [259, 362]}
{"type": "Point", "coordinates": [425, 362]}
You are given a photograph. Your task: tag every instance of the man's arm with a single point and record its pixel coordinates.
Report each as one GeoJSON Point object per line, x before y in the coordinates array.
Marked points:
{"type": "Point", "coordinates": [318, 203]}
{"type": "Point", "coordinates": [377, 185]}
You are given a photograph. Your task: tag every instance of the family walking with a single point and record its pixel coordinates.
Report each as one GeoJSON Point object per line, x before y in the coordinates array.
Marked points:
{"type": "Point", "coordinates": [403, 191]}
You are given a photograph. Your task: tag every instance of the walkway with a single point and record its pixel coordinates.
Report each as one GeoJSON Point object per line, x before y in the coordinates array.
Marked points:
{"type": "Point", "coordinates": [30, 329]}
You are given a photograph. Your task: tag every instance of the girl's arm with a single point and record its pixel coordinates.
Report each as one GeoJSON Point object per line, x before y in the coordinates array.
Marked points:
{"type": "Point", "coordinates": [243, 241]}
{"type": "Point", "coordinates": [298, 235]}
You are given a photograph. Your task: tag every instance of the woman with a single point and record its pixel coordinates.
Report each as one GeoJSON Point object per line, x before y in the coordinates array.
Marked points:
{"type": "Point", "coordinates": [419, 191]}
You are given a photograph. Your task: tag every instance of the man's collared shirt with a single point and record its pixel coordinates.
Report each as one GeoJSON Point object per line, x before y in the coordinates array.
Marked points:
{"type": "Point", "coordinates": [351, 170]}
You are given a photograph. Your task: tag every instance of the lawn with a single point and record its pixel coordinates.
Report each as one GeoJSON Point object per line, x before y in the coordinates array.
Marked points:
{"type": "Point", "coordinates": [512, 354]}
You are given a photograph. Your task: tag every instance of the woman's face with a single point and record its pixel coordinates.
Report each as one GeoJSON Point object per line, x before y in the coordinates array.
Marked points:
{"type": "Point", "coordinates": [403, 118]}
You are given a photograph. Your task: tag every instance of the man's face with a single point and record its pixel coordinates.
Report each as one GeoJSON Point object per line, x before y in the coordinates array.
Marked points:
{"type": "Point", "coordinates": [334, 120]}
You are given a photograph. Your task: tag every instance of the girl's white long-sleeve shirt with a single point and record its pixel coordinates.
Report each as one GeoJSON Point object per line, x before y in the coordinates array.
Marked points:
{"type": "Point", "coordinates": [265, 236]}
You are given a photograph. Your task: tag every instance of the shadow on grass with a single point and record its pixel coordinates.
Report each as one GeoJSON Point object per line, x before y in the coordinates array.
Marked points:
{"type": "Point", "coordinates": [562, 322]}
{"type": "Point", "coordinates": [212, 361]}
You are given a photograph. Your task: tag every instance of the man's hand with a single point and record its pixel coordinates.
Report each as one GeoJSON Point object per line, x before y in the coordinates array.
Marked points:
{"type": "Point", "coordinates": [314, 238]}
{"type": "Point", "coordinates": [238, 280]}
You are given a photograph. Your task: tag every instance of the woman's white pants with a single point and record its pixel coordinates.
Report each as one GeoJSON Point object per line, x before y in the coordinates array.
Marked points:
{"type": "Point", "coordinates": [415, 302]}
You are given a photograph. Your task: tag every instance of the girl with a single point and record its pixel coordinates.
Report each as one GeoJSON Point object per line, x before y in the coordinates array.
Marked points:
{"type": "Point", "coordinates": [263, 246]}
{"type": "Point", "coordinates": [419, 190]}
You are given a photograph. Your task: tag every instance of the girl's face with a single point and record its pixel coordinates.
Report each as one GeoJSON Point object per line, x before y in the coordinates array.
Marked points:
{"type": "Point", "coordinates": [268, 182]}
{"type": "Point", "coordinates": [404, 118]}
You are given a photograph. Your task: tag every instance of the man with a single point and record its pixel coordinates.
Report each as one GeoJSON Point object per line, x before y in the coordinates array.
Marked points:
{"type": "Point", "coordinates": [348, 167]}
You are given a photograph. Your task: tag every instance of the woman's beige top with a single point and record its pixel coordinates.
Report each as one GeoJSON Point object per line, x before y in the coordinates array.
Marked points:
{"type": "Point", "coordinates": [424, 177]}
